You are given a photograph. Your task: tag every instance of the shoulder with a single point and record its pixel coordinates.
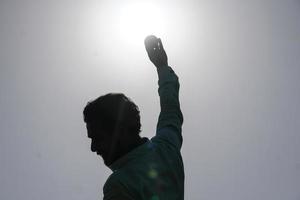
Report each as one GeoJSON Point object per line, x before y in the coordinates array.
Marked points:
{"type": "Point", "coordinates": [115, 189]}
{"type": "Point", "coordinates": [113, 180]}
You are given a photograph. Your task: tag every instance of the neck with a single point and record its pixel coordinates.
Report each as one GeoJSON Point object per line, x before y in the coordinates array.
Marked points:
{"type": "Point", "coordinates": [131, 144]}
{"type": "Point", "coordinates": [125, 146]}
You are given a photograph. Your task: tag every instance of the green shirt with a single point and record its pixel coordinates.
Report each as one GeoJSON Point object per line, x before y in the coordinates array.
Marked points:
{"type": "Point", "coordinates": [153, 170]}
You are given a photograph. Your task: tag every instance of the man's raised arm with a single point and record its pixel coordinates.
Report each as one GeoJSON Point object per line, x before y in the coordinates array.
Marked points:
{"type": "Point", "coordinates": [170, 118]}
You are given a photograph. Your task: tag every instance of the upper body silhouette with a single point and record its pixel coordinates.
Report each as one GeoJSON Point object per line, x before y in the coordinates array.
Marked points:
{"type": "Point", "coordinates": [143, 169]}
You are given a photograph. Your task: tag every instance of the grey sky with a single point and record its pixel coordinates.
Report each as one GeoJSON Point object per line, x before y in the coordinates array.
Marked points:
{"type": "Point", "coordinates": [238, 64]}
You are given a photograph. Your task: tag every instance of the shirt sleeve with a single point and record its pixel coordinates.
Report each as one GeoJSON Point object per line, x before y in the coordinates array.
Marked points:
{"type": "Point", "coordinates": [170, 118]}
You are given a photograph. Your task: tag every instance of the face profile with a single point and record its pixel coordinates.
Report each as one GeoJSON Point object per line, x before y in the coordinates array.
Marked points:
{"type": "Point", "coordinates": [113, 125]}
{"type": "Point", "coordinates": [101, 142]}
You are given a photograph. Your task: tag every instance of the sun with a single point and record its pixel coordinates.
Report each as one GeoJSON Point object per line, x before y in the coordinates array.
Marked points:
{"type": "Point", "coordinates": [139, 19]}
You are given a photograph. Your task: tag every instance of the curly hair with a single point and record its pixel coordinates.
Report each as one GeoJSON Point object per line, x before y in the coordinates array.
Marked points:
{"type": "Point", "coordinates": [114, 110]}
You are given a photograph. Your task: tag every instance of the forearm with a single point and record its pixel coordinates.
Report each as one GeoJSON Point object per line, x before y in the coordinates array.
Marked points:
{"type": "Point", "coordinates": [170, 115]}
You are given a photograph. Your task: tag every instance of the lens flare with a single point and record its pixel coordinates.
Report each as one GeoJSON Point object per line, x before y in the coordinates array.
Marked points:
{"type": "Point", "coordinates": [139, 19]}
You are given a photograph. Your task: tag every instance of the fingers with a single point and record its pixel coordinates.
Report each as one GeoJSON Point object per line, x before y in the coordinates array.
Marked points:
{"type": "Point", "coordinates": [160, 44]}
{"type": "Point", "coordinates": [150, 42]}
{"type": "Point", "coordinates": [155, 50]}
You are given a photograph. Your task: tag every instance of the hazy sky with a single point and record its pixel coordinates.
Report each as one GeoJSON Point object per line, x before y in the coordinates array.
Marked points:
{"type": "Point", "coordinates": [238, 63]}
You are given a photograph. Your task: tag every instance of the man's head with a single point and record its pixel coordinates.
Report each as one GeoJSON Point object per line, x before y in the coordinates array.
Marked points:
{"type": "Point", "coordinates": [113, 123]}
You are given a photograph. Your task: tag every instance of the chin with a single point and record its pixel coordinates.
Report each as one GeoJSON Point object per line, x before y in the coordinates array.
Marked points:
{"type": "Point", "coordinates": [106, 163]}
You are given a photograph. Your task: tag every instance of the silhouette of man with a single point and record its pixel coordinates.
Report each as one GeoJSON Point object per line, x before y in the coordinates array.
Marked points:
{"type": "Point", "coordinates": [143, 169]}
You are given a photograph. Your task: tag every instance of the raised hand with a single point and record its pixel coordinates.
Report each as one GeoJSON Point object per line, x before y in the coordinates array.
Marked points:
{"type": "Point", "coordinates": [156, 51]}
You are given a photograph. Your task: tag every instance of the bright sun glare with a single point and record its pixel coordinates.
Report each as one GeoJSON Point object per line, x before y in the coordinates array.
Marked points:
{"type": "Point", "coordinates": [139, 19]}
